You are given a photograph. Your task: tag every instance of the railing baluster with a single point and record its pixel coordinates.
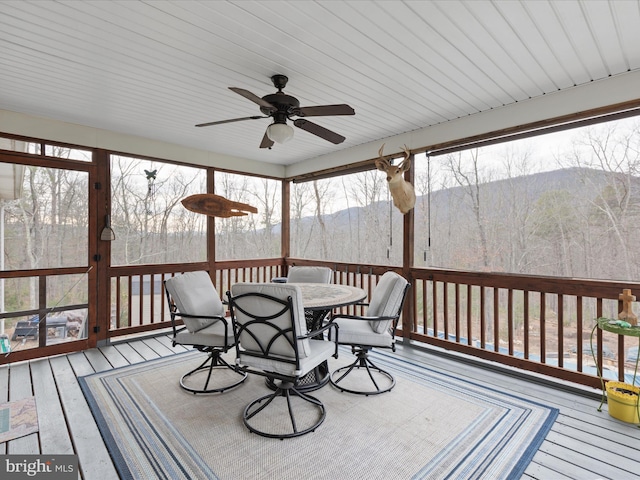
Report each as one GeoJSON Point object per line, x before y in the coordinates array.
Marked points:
{"type": "Point", "coordinates": [483, 305]}
{"type": "Point", "coordinates": [445, 309]}
{"type": "Point", "coordinates": [425, 305]}
{"type": "Point", "coordinates": [579, 327]}
{"type": "Point", "coordinates": [457, 310]}
{"type": "Point", "coordinates": [141, 301]}
{"type": "Point", "coordinates": [510, 319]}
{"type": "Point", "coordinates": [543, 328]}
{"type": "Point", "coordinates": [469, 314]}
{"type": "Point", "coordinates": [162, 302]}
{"type": "Point", "coordinates": [560, 349]}
{"type": "Point", "coordinates": [118, 301]}
{"type": "Point", "coordinates": [434, 296]}
{"type": "Point", "coordinates": [496, 319]}
{"type": "Point", "coordinates": [525, 320]}
{"type": "Point", "coordinates": [152, 298]}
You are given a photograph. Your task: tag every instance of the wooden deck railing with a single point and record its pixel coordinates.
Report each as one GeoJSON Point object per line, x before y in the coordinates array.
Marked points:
{"type": "Point", "coordinates": [138, 300]}
{"type": "Point", "coordinates": [43, 334]}
{"type": "Point", "coordinates": [541, 324]}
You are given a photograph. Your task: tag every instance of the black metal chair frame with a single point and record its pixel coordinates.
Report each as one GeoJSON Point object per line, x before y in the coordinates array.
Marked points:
{"type": "Point", "coordinates": [286, 385]}
{"type": "Point", "coordinates": [214, 360]}
{"type": "Point", "coordinates": [361, 351]}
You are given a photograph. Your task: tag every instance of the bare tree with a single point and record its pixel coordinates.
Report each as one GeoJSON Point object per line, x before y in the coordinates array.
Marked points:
{"type": "Point", "coordinates": [320, 195]}
{"type": "Point", "coordinates": [147, 213]}
{"type": "Point", "coordinates": [368, 190]}
{"type": "Point", "coordinates": [302, 231]}
{"type": "Point", "coordinates": [615, 151]}
{"type": "Point", "coordinates": [266, 194]}
{"type": "Point", "coordinates": [466, 172]}
{"type": "Point", "coordinates": [515, 209]}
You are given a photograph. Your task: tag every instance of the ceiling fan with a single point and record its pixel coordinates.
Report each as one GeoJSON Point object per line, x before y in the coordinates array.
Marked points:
{"type": "Point", "coordinates": [281, 107]}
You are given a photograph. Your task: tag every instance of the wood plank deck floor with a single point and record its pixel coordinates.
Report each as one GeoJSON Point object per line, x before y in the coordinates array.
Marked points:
{"type": "Point", "coordinates": [583, 443]}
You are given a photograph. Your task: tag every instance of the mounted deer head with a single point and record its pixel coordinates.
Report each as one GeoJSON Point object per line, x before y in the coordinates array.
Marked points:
{"type": "Point", "coordinates": [404, 197]}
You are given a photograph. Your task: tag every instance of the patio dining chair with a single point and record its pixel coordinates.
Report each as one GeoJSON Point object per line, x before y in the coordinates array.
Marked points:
{"type": "Point", "coordinates": [306, 274]}
{"type": "Point", "coordinates": [309, 274]}
{"type": "Point", "coordinates": [272, 341]}
{"type": "Point", "coordinates": [376, 329]}
{"type": "Point", "coordinates": [193, 298]}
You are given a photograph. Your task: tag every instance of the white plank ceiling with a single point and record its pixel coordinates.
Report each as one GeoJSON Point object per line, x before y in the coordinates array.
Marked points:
{"type": "Point", "coordinates": [154, 69]}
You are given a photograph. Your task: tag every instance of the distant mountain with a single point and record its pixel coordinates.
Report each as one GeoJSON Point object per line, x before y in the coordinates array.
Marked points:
{"type": "Point", "coordinates": [582, 182]}
{"type": "Point", "coordinates": [529, 187]}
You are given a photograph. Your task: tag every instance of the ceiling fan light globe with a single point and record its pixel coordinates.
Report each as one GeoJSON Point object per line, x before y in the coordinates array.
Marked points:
{"type": "Point", "coordinates": [279, 132]}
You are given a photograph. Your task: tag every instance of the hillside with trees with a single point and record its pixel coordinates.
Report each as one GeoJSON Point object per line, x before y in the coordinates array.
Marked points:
{"type": "Point", "coordinates": [575, 222]}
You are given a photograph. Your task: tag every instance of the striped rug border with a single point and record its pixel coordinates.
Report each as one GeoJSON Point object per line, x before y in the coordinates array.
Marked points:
{"type": "Point", "coordinates": [504, 439]}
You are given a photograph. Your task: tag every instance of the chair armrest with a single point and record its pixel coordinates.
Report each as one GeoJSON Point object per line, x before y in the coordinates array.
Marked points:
{"type": "Point", "coordinates": [188, 315]}
{"type": "Point", "coordinates": [361, 317]}
{"type": "Point", "coordinates": [320, 331]}
{"type": "Point", "coordinates": [211, 317]}
{"type": "Point", "coordinates": [360, 304]}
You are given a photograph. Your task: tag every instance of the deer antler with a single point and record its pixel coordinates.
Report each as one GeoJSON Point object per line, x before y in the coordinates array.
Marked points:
{"type": "Point", "coordinates": [380, 154]}
{"type": "Point", "coordinates": [405, 150]}
{"type": "Point", "coordinates": [407, 154]}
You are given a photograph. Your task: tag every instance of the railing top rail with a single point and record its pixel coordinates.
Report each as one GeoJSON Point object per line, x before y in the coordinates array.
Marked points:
{"type": "Point", "coordinates": [531, 283]}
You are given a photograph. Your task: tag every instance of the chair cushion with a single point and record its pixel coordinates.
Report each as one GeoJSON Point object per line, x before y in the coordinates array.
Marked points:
{"type": "Point", "coordinates": [385, 300]}
{"type": "Point", "coordinates": [360, 332]}
{"type": "Point", "coordinates": [194, 294]}
{"type": "Point", "coordinates": [210, 336]}
{"type": "Point", "coordinates": [319, 351]}
{"type": "Point", "coordinates": [262, 306]}
{"type": "Point", "coordinates": [309, 275]}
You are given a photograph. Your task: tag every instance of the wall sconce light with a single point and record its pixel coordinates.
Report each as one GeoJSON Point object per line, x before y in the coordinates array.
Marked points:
{"type": "Point", "coordinates": [108, 235]}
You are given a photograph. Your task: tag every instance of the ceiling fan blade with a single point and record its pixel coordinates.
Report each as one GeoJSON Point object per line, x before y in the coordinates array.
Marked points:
{"type": "Point", "coordinates": [319, 131]}
{"type": "Point", "coordinates": [266, 142]}
{"type": "Point", "coordinates": [325, 110]}
{"type": "Point", "coordinates": [253, 97]}
{"type": "Point", "coordinates": [208, 124]}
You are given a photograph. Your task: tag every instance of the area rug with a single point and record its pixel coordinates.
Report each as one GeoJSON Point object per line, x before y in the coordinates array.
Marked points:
{"type": "Point", "coordinates": [18, 418]}
{"type": "Point", "coordinates": [431, 426]}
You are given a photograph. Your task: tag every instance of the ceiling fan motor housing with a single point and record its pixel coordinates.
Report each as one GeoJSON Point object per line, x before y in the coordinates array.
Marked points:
{"type": "Point", "coordinates": [284, 103]}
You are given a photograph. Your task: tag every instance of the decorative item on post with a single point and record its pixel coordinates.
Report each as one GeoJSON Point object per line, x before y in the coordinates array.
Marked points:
{"type": "Point", "coordinates": [626, 313]}
{"type": "Point", "coordinates": [403, 193]}
{"type": "Point", "coordinates": [107, 235]}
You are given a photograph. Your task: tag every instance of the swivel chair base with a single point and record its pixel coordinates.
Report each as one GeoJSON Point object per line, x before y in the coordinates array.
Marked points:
{"type": "Point", "coordinates": [213, 362]}
{"type": "Point", "coordinates": [257, 423]}
{"type": "Point", "coordinates": [382, 380]}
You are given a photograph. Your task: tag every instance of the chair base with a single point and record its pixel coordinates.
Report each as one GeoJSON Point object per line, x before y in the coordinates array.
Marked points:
{"type": "Point", "coordinates": [213, 362]}
{"type": "Point", "coordinates": [314, 415]}
{"type": "Point", "coordinates": [314, 380]}
{"type": "Point", "coordinates": [382, 380]}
